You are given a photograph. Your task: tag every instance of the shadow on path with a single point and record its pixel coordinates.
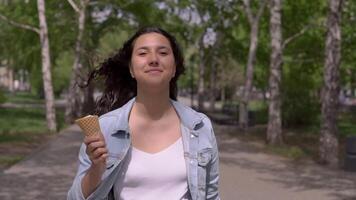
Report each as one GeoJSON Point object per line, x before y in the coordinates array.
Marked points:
{"type": "Point", "coordinates": [48, 173]}
{"type": "Point", "coordinates": [291, 176]}
{"type": "Point", "coordinates": [45, 174]}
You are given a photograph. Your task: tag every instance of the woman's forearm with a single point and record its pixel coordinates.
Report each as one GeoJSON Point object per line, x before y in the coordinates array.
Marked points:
{"type": "Point", "coordinates": [91, 180]}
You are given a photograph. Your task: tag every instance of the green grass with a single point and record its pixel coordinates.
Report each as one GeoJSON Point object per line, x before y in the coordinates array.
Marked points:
{"type": "Point", "coordinates": [253, 105]}
{"type": "Point", "coordinates": [3, 98]}
{"type": "Point", "coordinates": [20, 120]}
{"type": "Point", "coordinates": [18, 124]}
{"type": "Point", "coordinates": [347, 125]}
{"type": "Point", "coordinates": [292, 152]}
{"type": "Point", "coordinates": [257, 105]}
{"type": "Point", "coordinates": [23, 98]}
{"type": "Point", "coordinates": [10, 160]}
{"type": "Point", "coordinates": [23, 128]}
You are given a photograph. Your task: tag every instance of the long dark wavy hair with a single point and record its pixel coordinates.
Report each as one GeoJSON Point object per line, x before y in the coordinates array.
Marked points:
{"type": "Point", "coordinates": [119, 86]}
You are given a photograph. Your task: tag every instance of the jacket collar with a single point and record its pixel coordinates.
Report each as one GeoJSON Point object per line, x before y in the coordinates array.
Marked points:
{"type": "Point", "coordinates": [189, 118]}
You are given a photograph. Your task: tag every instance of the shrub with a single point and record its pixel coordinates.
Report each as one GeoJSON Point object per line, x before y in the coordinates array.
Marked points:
{"type": "Point", "coordinates": [2, 97]}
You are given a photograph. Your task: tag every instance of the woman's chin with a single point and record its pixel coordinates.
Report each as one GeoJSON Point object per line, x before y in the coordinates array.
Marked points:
{"type": "Point", "coordinates": [154, 83]}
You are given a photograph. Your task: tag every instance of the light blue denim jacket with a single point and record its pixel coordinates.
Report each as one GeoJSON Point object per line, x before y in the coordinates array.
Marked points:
{"type": "Point", "coordinates": [200, 152]}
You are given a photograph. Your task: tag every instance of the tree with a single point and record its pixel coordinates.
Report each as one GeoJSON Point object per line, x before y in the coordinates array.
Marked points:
{"type": "Point", "coordinates": [329, 132]}
{"type": "Point", "coordinates": [274, 129]}
{"type": "Point", "coordinates": [254, 25]}
{"type": "Point", "coordinates": [46, 68]}
{"type": "Point", "coordinates": [42, 31]}
{"type": "Point", "coordinates": [74, 107]}
{"type": "Point", "coordinates": [302, 61]}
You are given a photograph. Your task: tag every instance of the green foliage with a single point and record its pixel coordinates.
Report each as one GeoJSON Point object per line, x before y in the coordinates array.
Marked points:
{"type": "Point", "coordinates": [23, 98]}
{"type": "Point", "coordinates": [346, 123]}
{"type": "Point", "coordinates": [292, 152]}
{"type": "Point", "coordinates": [20, 47]}
{"type": "Point", "coordinates": [300, 102]}
{"type": "Point", "coordinates": [303, 62]}
{"type": "Point", "coordinates": [303, 57]}
{"type": "Point", "coordinates": [110, 42]}
{"type": "Point", "coordinates": [10, 160]}
{"type": "Point", "coordinates": [3, 98]}
{"type": "Point", "coordinates": [62, 72]}
{"type": "Point", "coordinates": [348, 67]}
{"type": "Point", "coordinates": [36, 82]}
{"type": "Point", "coordinates": [14, 121]}
{"type": "Point", "coordinates": [21, 120]}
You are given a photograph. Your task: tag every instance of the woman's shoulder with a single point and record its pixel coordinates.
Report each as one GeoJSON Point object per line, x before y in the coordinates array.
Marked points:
{"type": "Point", "coordinates": [109, 121]}
{"type": "Point", "coordinates": [190, 115]}
{"type": "Point", "coordinates": [116, 115]}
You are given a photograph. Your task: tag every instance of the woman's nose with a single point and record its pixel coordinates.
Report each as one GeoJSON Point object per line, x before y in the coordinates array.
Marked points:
{"type": "Point", "coordinates": [153, 59]}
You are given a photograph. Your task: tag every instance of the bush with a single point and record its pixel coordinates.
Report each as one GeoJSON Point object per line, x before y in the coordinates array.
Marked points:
{"type": "Point", "coordinates": [292, 152]}
{"type": "Point", "coordinates": [300, 102]}
{"type": "Point", "coordinates": [295, 153]}
{"type": "Point", "coordinates": [2, 97]}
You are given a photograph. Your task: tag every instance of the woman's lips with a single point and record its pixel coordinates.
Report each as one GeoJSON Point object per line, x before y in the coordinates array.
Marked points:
{"type": "Point", "coordinates": [154, 71]}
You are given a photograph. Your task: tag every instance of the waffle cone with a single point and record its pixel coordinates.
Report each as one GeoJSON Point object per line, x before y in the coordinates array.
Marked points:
{"type": "Point", "coordinates": [89, 124]}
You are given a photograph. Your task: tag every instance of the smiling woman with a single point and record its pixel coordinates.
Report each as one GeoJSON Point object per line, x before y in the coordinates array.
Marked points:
{"type": "Point", "coordinates": [152, 63]}
{"type": "Point", "coordinates": [150, 145]}
{"type": "Point", "coordinates": [120, 85]}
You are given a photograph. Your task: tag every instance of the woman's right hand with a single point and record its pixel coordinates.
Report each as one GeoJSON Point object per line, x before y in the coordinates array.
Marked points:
{"type": "Point", "coordinates": [96, 151]}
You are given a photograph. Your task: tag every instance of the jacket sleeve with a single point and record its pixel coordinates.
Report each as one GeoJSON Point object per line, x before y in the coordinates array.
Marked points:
{"type": "Point", "coordinates": [212, 187]}
{"type": "Point", "coordinates": [75, 192]}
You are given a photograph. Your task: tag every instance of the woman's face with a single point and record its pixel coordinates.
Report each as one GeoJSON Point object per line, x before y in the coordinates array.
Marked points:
{"type": "Point", "coordinates": [152, 61]}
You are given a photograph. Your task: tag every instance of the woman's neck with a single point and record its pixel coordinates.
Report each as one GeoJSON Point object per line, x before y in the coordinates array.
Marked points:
{"type": "Point", "coordinates": [152, 106]}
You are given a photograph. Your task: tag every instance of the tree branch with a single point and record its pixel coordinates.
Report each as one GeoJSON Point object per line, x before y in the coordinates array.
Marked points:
{"type": "Point", "coordinates": [84, 3]}
{"type": "Point", "coordinates": [252, 19]}
{"type": "Point", "coordinates": [19, 25]}
{"type": "Point", "coordinates": [247, 6]}
{"type": "Point", "coordinates": [260, 9]}
{"type": "Point", "coordinates": [293, 37]}
{"type": "Point", "coordinates": [74, 6]}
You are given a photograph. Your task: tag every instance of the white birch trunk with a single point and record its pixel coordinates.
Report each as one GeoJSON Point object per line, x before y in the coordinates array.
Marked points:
{"type": "Point", "coordinates": [46, 68]}
{"type": "Point", "coordinates": [274, 130]}
{"type": "Point", "coordinates": [243, 110]}
{"type": "Point", "coordinates": [254, 24]}
{"type": "Point", "coordinates": [74, 98]}
{"type": "Point", "coordinates": [328, 135]}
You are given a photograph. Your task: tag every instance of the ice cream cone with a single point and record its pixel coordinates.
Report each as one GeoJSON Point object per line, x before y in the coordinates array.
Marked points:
{"type": "Point", "coordinates": [89, 124]}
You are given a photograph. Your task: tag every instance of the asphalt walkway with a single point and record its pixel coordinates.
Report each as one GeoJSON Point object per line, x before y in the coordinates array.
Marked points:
{"type": "Point", "coordinates": [246, 173]}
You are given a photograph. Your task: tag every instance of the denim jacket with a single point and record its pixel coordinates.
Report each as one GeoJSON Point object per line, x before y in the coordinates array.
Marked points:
{"type": "Point", "coordinates": [199, 144]}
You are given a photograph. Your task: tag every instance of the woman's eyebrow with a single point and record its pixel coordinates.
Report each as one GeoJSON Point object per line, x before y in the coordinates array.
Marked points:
{"type": "Point", "coordinates": [147, 47]}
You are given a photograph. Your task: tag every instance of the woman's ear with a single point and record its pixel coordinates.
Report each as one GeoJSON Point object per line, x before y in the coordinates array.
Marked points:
{"type": "Point", "coordinates": [174, 72]}
{"type": "Point", "coordinates": [131, 71]}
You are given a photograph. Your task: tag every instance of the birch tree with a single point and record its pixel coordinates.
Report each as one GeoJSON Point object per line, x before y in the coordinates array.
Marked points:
{"type": "Point", "coordinates": [329, 98]}
{"type": "Point", "coordinates": [46, 68]}
{"type": "Point", "coordinates": [42, 31]}
{"type": "Point", "coordinates": [253, 21]}
{"type": "Point", "coordinates": [74, 107]}
{"type": "Point", "coordinates": [274, 129]}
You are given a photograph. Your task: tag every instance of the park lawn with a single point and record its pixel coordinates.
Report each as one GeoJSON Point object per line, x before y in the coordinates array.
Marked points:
{"type": "Point", "coordinates": [23, 98]}
{"type": "Point", "coordinates": [300, 143]}
{"type": "Point", "coordinates": [21, 131]}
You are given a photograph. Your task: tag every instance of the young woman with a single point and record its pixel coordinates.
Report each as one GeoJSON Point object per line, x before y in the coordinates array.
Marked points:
{"type": "Point", "coordinates": [150, 145]}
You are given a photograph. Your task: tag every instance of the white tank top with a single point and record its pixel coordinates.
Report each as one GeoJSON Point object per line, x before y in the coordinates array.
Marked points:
{"type": "Point", "coordinates": [147, 176]}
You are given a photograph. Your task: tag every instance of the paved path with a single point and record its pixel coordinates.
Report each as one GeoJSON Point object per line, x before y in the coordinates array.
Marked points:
{"type": "Point", "coordinates": [249, 174]}
{"type": "Point", "coordinates": [246, 174]}
{"type": "Point", "coordinates": [45, 174]}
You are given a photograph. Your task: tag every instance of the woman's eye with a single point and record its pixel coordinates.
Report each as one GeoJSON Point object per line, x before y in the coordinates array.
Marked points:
{"type": "Point", "coordinates": [163, 53]}
{"type": "Point", "coordinates": [142, 53]}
